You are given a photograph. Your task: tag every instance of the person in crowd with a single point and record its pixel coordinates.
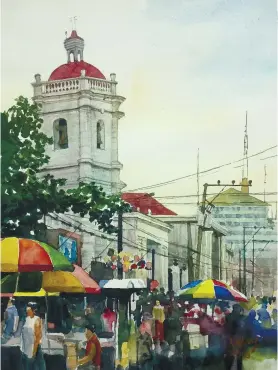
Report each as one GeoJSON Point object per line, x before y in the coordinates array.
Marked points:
{"type": "Point", "coordinates": [78, 315]}
{"type": "Point", "coordinates": [108, 319]}
{"type": "Point", "coordinates": [252, 326]}
{"type": "Point", "coordinates": [31, 337]}
{"type": "Point", "coordinates": [11, 319]}
{"type": "Point", "coordinates": [172, 328]}
{"type": "Point", "coordinates": [263, 315]}
{"type": "Point", "coordinates": [234, 330]}
{"type": "Point", "coordinates": [93, 318]}
{"type": "Point", "coordinates": [274, 318]}
{"type": "Point", "coordinates": [274, 303]}
{"type": "Point", "coordinates": [183, 346]}
{"type": "Point", "coordinates": [159, 316]}
{"type": "Point", "coordinates": [137, 315]}
{"type": "Point", "coordinates": [22, 317]}
{"type": "Point", "coordinates": [145, 343]}
{"type": "Point", "coordinates": [92, 359]}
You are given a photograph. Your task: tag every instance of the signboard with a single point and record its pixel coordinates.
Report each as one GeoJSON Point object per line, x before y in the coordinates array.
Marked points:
{"type": "Point", "coordinates": [68, 247]}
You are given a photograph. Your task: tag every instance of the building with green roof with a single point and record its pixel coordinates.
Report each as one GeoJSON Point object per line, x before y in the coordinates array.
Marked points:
{"type": "Point", "coordinates": [237, 209]}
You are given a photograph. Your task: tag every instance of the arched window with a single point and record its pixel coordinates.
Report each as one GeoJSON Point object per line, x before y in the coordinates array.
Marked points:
{"type": "Point", "coordinates": [71, 57]}
{"type": "Point", "coordinates": [60, 134]}
{"type": "Point", "coordinates": [100, 135]}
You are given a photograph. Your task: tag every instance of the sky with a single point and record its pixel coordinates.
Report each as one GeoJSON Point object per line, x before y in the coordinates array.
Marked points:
{"type": "Point", "coordinates": [189, 70]}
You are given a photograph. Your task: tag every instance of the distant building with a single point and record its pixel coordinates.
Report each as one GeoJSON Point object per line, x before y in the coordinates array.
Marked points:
{"type": "Point", "coordinates": [183, 243]}
{"type": "Point", "coordinates": [239, 212]}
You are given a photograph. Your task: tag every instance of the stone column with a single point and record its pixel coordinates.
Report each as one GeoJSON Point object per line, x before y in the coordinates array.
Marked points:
{"type": "Point", "coordinates": [85, 144]}
{"type": "Point", "coordinates": [113, 84]}
{"type": "Point", "coordinates": [37, 85]}
{"type": "Point", "coordinates": [114, 138]}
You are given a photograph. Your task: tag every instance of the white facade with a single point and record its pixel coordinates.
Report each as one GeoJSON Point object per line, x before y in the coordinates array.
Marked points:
{"type": "Point", "coordinates": [183, 238]}
{"type": "Point", "coordinates": [254, 222]}
{"type": "Point", "coordinates": [235, 217]}
{"type": "Point", "coordinates": [141, 234]}
{"type": "Point", "coordinates": [88, 107]}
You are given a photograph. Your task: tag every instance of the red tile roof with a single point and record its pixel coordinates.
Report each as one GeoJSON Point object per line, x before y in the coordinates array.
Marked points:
{"type": "Point", "coordinates": [145, 203]}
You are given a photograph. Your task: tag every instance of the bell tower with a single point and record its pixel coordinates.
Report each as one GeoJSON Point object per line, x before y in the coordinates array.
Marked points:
{"type": "Point", "coordinates": [80, 110]}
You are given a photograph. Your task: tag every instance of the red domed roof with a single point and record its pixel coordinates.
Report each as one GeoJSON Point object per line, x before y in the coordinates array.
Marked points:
{"type": "Point", "coordinates": [73, 70]}
{"type": "Point", "coordinates": [74, 35]}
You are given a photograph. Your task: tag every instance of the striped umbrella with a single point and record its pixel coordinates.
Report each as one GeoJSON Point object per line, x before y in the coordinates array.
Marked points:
{"type": "Point", "coordinates": [27, 255]}
{"type": "Point", "coordinates": [77, 281]}
{"type": "Point", "coordinates": [211, 289]}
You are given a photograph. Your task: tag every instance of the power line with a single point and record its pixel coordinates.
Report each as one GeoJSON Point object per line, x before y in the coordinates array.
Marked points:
{"type": "Point", "coordinates": [204, 171]}
{"type": "Point", "coordinates": [133, 245]}
{"type": "Point", "coordinates": [210, 194]}
{"type": "Point", "coordinates": [220, 204]}
{"type": "Point", "coordinates": [272, 156]}
{"type": "Point", "coordinates": [130, 243]}
{"type": "Point", "coordinates": [176, 244]}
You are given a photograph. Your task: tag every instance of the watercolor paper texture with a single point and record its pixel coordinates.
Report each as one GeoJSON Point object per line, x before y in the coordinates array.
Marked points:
{"type": "Point", "coordinates": [138, 184]}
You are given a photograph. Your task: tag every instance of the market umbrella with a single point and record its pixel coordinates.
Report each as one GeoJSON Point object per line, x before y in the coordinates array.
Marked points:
{"type": "Point", "coordinates": [77, 281]}
{"type": "Point", "coordinates": [27, 255]}
{"type": "Point", "coordinates": [121, 288]}
{"type": "Point", "coordinates": [39, 294]}
{"type": "Point", "coordinates": [211, 289]}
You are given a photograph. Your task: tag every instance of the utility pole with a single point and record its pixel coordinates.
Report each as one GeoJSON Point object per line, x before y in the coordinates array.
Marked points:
{"type": "Point", "coordinates": [198, 177]}
{"type": "Point", "coordinates": [244, 262]}
{"type": "Point", "coordinates": [153, 264]}
{"type": "Point", "coordinates": [203, 211]}
{"type": "Point", "coordinates": [220, 259]}
{"type": "Point", "coordinates": [253, 264]}
{"type": "Point", "coordinates": [189, 253]}
{"type": "Point", "coordinates": [239, 271]}
{"type": "Point", "coordinates": [120, 242]}
{"type": "Point", "coordinates": [200, 233]}
{"type": "Point", "coordinates": [265, 174]}
{"type": "Point", "coordinates": [244, 251]}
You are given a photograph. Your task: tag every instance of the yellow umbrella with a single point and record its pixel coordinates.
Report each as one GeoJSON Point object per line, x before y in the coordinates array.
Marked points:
{"type": "Point", "coordinates": [40, 293]}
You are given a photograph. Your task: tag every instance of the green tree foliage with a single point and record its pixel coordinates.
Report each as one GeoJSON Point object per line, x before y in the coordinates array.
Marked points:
{"type": "Point", "coordinates": [26, 194]}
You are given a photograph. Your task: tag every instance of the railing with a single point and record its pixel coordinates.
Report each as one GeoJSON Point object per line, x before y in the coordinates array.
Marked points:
{"type": "Point", "coordinates": [73, 85]}
{"type": "Point", "coordinates": [60, 86]}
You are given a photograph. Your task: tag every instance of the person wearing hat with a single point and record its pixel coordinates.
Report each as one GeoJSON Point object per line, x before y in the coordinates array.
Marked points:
{"type": "Point", "coordinates": [92, 359]}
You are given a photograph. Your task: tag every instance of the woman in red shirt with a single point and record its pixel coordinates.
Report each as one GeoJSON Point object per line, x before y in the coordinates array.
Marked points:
{"type": "Point", "coordinates": [92, 359]}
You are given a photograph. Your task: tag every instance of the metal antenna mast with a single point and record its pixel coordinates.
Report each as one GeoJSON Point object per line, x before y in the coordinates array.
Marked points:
{"type": "Point", "coordinates": [245, 153]}
{"type": "Point", "coordinates": [73, 22]}
{"type": "Point", "coordinates": [198, 178]}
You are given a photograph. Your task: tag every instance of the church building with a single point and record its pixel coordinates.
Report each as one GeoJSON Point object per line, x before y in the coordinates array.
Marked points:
{"type": "Point", "coordinates": [81, 111]}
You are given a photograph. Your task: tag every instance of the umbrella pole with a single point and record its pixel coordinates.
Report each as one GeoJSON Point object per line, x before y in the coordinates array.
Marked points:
{"type": "Point", "coordinates": [17, 281]}
{"type": "Point", "coordinates": [46, 321]}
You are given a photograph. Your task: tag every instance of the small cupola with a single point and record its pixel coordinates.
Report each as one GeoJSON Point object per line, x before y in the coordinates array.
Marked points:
{"type": "Point", "coordinates": [74, 46]}
{"type": "Point", "coordinates": [245, 185]}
